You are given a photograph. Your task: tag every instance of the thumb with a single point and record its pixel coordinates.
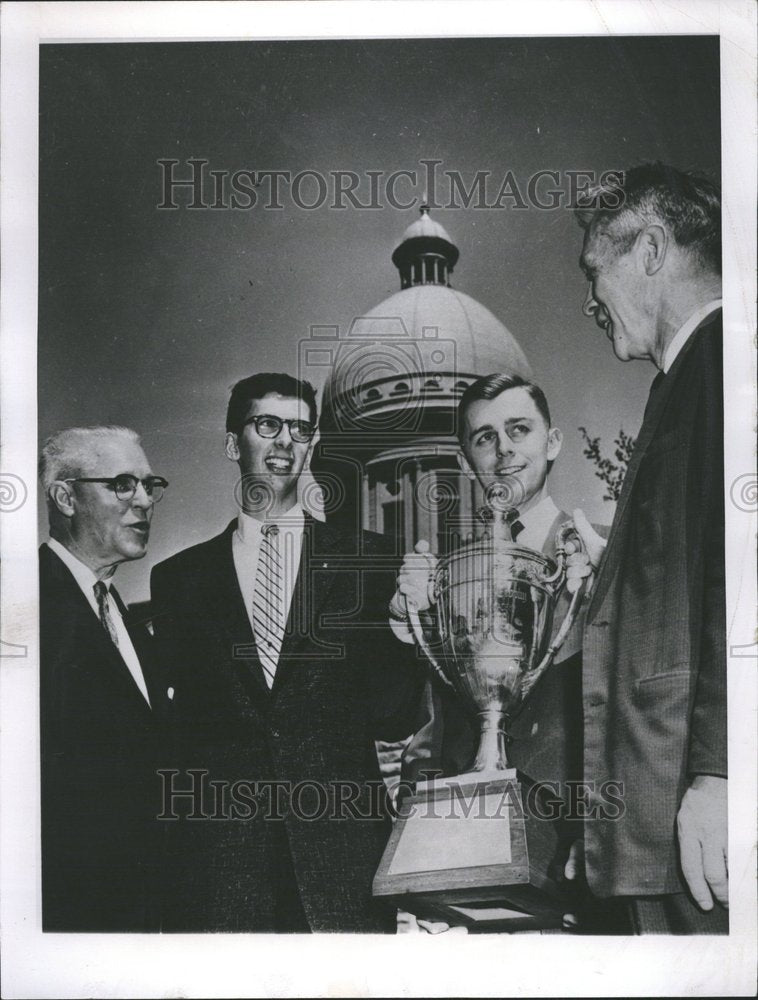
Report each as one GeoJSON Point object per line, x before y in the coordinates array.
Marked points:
{"type": "Point", "coordinates": [592, 541]}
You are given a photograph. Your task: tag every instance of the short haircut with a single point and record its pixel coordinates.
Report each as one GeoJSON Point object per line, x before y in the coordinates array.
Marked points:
{"type": "Point", "coordinates": [257, 386]}
{"type": "Point", "coordinates": [64, 455]}
{"type": "Point", "coordinates": [688, 204]}
{"type": "Point", "coordinates": [491, 386]}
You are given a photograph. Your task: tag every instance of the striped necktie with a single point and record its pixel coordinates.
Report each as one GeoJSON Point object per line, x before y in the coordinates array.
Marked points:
{"type": "Point", "coordinates": [268, 603]}
{"type": "Point", "coordinates": [101, 594]}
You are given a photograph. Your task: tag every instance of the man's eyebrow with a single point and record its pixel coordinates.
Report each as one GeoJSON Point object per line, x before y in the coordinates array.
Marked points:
{"type": "Point", "coordinates": [478, 430]}
{"type": "Point", "coordinates": [587, 267]}
{"type": "Point", "coordinates": [491, 427]}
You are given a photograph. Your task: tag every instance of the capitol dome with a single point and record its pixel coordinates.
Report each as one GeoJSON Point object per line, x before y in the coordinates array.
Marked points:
{"type": "Point", "coordinates": [423, 345]}
{"type": "Point", "coordinates": [387, 455]}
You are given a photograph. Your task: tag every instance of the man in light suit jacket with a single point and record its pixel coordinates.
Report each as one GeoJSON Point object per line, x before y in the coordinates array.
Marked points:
{"type": "Point", "coordinates": [285, 673]}
{"type": "Point", "coordinates": [103, 704]}
{"type": "Point", "coordinates": [654, 679]}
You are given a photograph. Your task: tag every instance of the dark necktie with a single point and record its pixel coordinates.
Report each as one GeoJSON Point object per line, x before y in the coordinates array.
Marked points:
{"type": "Point", "coordinates": [101, 594]}
{"type": "Point", "coordinates": [515, 525]}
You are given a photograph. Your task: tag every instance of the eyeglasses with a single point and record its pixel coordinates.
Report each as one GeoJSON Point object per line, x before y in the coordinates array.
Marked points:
{"type": "Point", "coordinates": [268, 426]}
{"type": "Point", "coordinates": [125, 485]}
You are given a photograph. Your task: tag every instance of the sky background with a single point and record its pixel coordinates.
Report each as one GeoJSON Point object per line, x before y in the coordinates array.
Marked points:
{"type": "Point", "coordinates": [148, 316]}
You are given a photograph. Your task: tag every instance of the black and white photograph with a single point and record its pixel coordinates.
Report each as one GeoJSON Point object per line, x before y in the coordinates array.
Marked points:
{"type": "Point", "coordinates": [379, 497]}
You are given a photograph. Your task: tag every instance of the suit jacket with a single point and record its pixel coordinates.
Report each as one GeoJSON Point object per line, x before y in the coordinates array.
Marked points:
{"type": "Point", "coordinates": [100, 793]}
{"type": "Point", "coordinates": [654, 680]}
{"type": "Point", "coordinates": [340, 684]}
{"type": "Point", "coordinates": [546, 734]}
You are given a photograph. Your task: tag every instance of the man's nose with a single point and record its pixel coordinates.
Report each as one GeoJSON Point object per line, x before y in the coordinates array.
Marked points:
{"type": "Point", "coordinates": [589, 306]}
{"type": "Point", "coordinates": [284, 437]}
{"type": "Point", "coordinates": [141, 498]}
{"type": "Point", "coordinates": [504, 444]}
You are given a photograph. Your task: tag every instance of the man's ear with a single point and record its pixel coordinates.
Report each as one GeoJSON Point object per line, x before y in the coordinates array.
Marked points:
{"type": "Point", "coordinates": [62, 496]}
{"type": "Point", "coordinates": [653, 242]}
{"type": "Point", "coordinates": [465, 467]}
{"type": "Point", "coordinates": [554, 443]}
{"type": "Point", "coordinates": [230, 447]}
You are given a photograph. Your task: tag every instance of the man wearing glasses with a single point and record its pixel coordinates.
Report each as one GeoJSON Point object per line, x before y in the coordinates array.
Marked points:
{"type": "Point", "coordinates": [102, 704]}
{"type": "Point", "coordinates": [285, 672]}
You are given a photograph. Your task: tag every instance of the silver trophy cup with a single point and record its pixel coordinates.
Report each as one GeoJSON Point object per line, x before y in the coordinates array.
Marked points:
{"type": "Point", "coordinates": [495, 605]}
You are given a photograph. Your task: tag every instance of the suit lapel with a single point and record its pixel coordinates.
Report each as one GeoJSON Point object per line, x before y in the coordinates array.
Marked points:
{"type": "Point", "coordinates": [80, 619]}
{"type": "Point", "coordinates": [660, 393]}
{"type": "Point", "coordinates": [144, 647]}
{"type": "Point", "coordinates": [308, 601]}
{"type": "Point", "coordinates": [228, 615]}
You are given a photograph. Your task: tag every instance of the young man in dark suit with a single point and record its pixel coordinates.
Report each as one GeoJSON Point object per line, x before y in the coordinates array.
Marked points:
{"type": "Point", "coordinates": [103, 703]}
{"type": "Point", "coordinates": [508, 442]}
{"type": "Point", "coordinates": [654, 684]}
{"type": "Point", "coordinates": [285, 673]}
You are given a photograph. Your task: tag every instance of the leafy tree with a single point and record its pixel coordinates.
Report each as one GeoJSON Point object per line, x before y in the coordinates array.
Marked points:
{"type": "Point", "coordinates": [609, 472]}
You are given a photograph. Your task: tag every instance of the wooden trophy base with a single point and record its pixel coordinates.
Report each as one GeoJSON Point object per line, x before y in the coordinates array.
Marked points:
{"type": "Point", "coordinates": [463, 850]}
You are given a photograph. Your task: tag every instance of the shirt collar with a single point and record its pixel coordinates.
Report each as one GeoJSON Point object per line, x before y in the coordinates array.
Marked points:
{"type": "Point", "coordinates": [83, 575]}
{"type": "Point", "coordinates": [685, 332]}
{"type": "Point", "coordinates": [249, 528]}
{"type": "Point", "coordinates": [539, 519]}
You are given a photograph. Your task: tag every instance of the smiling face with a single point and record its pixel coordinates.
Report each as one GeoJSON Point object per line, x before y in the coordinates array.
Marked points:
{"type": "Point", "coordinates": [107, 531]}
{"type": "Point", "coordinates": [616, 296]}
{"type": "Point", "coordinates": [274, 463]}
{"type": "Point", "coordinates": [507, 440]}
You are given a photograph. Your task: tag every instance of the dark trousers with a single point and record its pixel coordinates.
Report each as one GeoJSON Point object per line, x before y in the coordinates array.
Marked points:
{"type": "Point", "coordinates": [289, 916]}
{"type": "Point", "coordinates": [675, 914]}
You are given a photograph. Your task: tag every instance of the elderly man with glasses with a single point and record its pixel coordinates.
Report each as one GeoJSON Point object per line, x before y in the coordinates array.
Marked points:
{"type": "Point", "coordinates": [286, 672]}
{"type": "Point", "coordinates": [103, 704]}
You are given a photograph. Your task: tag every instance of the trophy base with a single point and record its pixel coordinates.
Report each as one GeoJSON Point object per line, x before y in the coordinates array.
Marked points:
{"type": "Point", "coordinates": [463, 850]}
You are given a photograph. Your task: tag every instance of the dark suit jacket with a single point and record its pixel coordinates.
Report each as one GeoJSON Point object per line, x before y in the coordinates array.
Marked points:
{"type": "Point", "coordinates": [546, 735]}
{"type": "Point", "coordinates": [654, 681]}
{"type": "Point", "coordinates": [340, 684]}
{"type": "Point", "coordinates": [100, 792]}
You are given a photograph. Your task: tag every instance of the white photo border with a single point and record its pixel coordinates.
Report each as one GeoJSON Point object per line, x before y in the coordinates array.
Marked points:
{"type": "Point", "coordinates": [62, 965]}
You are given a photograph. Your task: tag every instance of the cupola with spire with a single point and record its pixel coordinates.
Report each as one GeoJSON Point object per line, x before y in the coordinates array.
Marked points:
{"type": "Point", "coordinates": [425, 255]}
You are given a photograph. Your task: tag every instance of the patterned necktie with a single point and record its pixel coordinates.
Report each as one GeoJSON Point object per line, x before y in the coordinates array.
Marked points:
{"type": "Point", "coordinates": [101, 593]}
{"type": "Point", "coordinates": [268, 603]}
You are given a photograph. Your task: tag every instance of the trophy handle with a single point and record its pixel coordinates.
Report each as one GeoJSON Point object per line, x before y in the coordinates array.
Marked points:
{"type": "Point", "coordinates": [418, 634]}
{"type": "Point", "coordinates": [566, 532]}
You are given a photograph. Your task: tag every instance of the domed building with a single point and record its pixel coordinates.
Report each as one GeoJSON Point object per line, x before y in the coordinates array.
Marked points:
{"type": "Point", "coordinates": [386, 459]}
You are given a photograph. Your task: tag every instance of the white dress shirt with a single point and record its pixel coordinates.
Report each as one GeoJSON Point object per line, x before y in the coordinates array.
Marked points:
{"type": "Point", "coordinates": [685, 332]}
{"type": "Point", "coordinates": [246, 546]}
{"type": "Point", "coordinates": [86, 581]}
{"type": "Point", "coordinates": [537, 522]}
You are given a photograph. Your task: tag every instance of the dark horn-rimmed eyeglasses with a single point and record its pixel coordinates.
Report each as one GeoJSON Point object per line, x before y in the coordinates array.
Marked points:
{"type": "Point", "coordinates": [269, 426]}
{"type": "Point", "coordinates": [125, 485]}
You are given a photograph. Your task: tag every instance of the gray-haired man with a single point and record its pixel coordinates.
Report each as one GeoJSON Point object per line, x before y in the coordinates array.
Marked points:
{"type": "Point", "coordinates": [100, 693]}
